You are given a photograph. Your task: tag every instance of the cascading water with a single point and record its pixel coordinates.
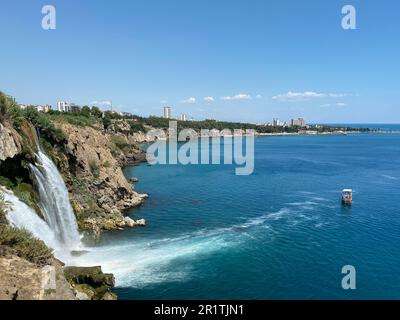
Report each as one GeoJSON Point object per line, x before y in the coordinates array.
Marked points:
{"type": "Point", "coordinates": [54, 202]}
{"type": "Point", "coordinates": [22, 216]}
{"type": "Point", "coordinates": [59, 229]}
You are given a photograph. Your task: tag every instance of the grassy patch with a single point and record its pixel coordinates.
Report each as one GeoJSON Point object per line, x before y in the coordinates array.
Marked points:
{"type": "Point", "coordinates": [5, 182]}
{"type": "Point", "coordinates": [21, 242]}
{"type": "Point", "coordinates": [25, 245]}
{"type": "Point", "coordinates": [94, 168]}
{"type": "Point", "coordinates": [74, 119]}
{"type": "Point", "coordinates": [107, 164]}
{"type": "Point", "coordinates": [47, 129]}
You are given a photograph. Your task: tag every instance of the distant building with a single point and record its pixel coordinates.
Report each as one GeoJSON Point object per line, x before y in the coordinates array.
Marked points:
{"type": "Point", "coordinates": [278, 123]}
{"type": "Point", "coordinates": [23, 106]}
{"type": "Point", "coordinates": [73, 108]}
{"type": "Point", "coordinates": [167, 112]}
{"type": "Point", "coordinates": [183, 117]}
{"type": "Point", "coordinates": [298, 123]}
{"type": "Point", "coordinates": [63, 106]}
{"type": "Point", "coordinates": [43, 108]}
{"type": "Point", "coordinates": [125, 114]}
{"type": "Point", "coordinates": [10, 98]}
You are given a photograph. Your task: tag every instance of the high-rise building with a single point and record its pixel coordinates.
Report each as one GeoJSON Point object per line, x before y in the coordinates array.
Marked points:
{"type": "Point", "coordinates": [183, 117]}
{"type": "Point", "coordinates": [167, 112]}
{"type": "Point", "coordinates": [63, 106]}
{"type": "Point", "coordinates": [277, 123]}
{"type": "Point", "coordinates": [300, 122]}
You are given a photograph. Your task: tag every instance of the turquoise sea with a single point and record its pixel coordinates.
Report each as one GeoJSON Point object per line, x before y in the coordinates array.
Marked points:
{"type": "Point", "coordinates": [280, 233]}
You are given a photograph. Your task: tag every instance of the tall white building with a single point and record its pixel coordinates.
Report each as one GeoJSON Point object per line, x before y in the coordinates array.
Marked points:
{"type": "Point", "coordinates": [63, 106]}
{"type": "Point", "coordinates": [183, 117]}
{"type": "Point", "coordinates": [167, 112]}
{"type": "Point", "coordinates": [277, 123]}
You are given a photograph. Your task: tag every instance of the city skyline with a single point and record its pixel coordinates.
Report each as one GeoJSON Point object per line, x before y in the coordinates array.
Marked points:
{"type": "Point", "coordinates": [275, 64]}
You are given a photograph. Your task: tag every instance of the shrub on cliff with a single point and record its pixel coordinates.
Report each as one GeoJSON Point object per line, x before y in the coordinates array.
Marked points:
{"type": "Point", "coordinates": [25, 245]}
{"type": "Point", "coordinates": [21, 242]}
{"type": "Point", "coordinates": [136, 127]}
{"type": "Point", "coordinates": [3, 208]}
{"type": "Point", "coordinates": [46, 128]}
{"type": "Point", "coordinates": [8, 108]}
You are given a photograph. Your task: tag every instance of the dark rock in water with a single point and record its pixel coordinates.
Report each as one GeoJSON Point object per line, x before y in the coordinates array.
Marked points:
{"type": "Point", "coordinates": [78, 253]}
{"type": "Point", "coordinates": [133, 180]}
{"type": "Point", "coordinates": [90, 282]}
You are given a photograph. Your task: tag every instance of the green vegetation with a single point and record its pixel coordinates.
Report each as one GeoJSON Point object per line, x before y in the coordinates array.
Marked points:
{"type": "Point", "coordinates": [9, 110]}
{"type": "Point", "coordinates": [25, 245]}
{"type": "Point", "coordinates": [3, 209]}
{"type": "Point", "coordinates": [6, 182]}
{"type": "Point", "coordinates": [80, 119]}
{"type": "Point", "coordinates": [107, 164]}
{"type": "Point", "coordinates": [158, 122]}
{"type": "Point", "coordinates": [46, 128]}
{"type": "Point", "coordinates": [121, 145]}
{"type": "Point", "coordinates": [25, 193]}
{"type": "Point", "coordinates": [136, 127]}
{"type": "Point", "coordinates": [94, 168]}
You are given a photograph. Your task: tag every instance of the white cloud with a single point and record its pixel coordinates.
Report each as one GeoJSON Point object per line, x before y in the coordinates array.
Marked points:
{"type": "Point", "coordinates": [209, 99]}
{"type": "Point", "coordinates": [259, 96]}
{"type": "Point", "coordinates": [190, 100]}
{"type": "Point", "coordinates": [296, 96]}
{"type": "Point", "coordinates": [240, 96]}
{"type": "Point", "coordinates": [339, 104]}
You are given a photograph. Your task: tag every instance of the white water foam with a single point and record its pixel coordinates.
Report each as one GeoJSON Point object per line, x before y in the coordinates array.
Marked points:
{"type": "Point", "coordinates": [21, 216]}
{"type": "Point", "coordinates": [146, 262]}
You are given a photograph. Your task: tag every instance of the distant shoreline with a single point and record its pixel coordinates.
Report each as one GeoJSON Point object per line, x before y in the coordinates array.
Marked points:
{"type": "Point", "coordinates": [314, 133]}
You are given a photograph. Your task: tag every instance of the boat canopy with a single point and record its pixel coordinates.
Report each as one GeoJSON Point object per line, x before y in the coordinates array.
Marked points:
{"type": "Point", "coordinates": [347, 191]}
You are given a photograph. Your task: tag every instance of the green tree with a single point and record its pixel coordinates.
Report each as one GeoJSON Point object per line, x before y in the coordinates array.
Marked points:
{"type": "Point", "coordinates": [85, 111]}
{"type": "Point", "coordinates": [106, 123]}
{"type": "Point", "coordinates": [96, 112]}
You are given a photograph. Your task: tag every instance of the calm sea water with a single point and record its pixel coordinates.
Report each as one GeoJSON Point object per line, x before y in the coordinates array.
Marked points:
{"type": "Point", "coordinates": [280, 233]}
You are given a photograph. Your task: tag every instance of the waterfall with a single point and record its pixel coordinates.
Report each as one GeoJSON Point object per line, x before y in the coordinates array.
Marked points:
{"type": "Point", "coordinates": [21, 216]}
{"type": "Point", "coordinates": [59, 229]}
{"type": "Point", "coordinates": [54, 202]}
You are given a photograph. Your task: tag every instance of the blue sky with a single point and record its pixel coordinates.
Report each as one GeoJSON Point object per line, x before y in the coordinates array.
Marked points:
{"type": "Point", "coordinates": [255, 59]}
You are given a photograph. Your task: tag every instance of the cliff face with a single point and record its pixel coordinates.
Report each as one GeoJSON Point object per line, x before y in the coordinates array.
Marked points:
{"type": "Point", "coordinates": [23, 280]}
{"type": "Point", "coordinates": [91, 163]}
{"type": "Point", "coordinates": [10, 142]}
{"type": "Point", "coordinates": [99, 191]}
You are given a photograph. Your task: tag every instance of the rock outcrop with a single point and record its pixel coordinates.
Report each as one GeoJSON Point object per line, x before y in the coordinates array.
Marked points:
{"type": "Point", "coordinates": [132, 223]}
{"type": "Point", "coordinates": [10, 142]}
{"type": "Point", "coordinates": [92, 169]}
{"type": "Point", "coordinates": [90, 283]}
{"type": "Point", "coordinates": [23, 280]}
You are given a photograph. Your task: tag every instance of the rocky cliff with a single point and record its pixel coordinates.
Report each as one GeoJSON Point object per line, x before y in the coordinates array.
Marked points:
{"type": "Point", "coordinates": [10, 142]}
{"type": "Point", "coordinates": [91, 166]}
{"type": "Point", "coordinates": [91, 161]}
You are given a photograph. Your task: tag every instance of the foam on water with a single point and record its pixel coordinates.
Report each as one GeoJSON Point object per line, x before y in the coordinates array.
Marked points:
{"type": "Point", "coordinates": [143, 263]}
